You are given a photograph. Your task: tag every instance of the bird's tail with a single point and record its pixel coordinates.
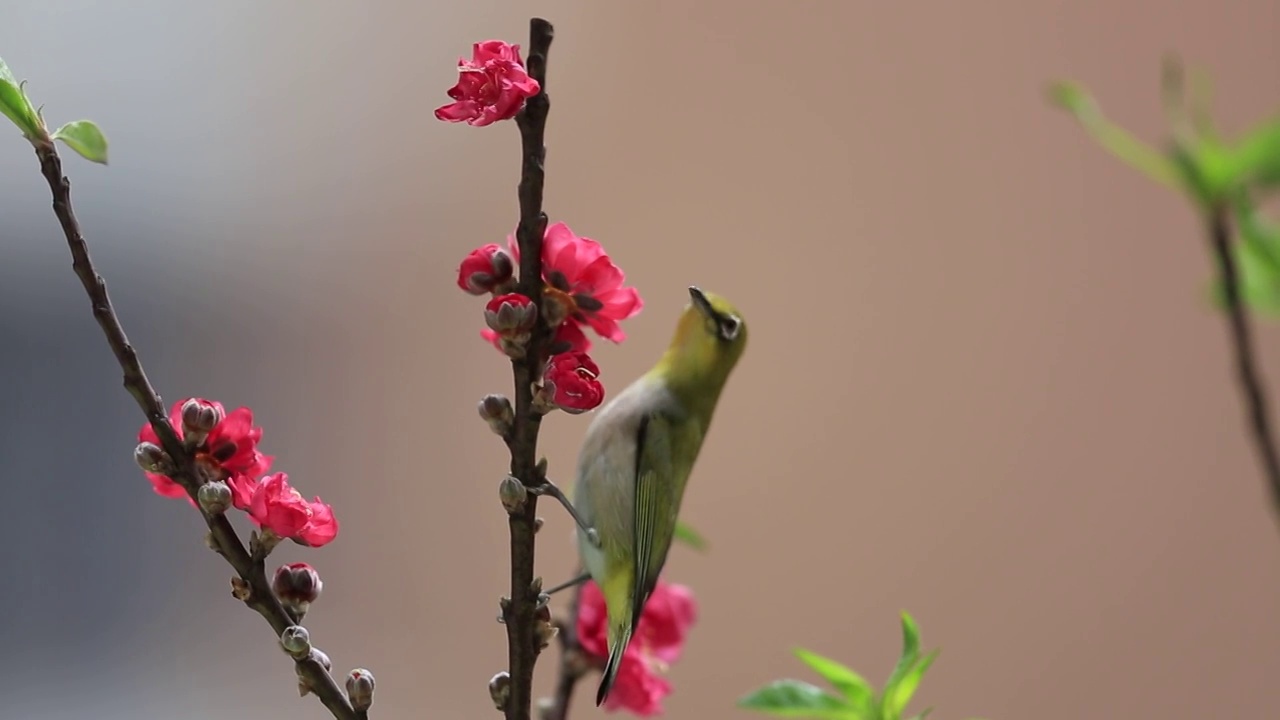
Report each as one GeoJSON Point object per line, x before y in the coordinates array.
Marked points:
{"type": "Point", "coordinates": [619, 638]}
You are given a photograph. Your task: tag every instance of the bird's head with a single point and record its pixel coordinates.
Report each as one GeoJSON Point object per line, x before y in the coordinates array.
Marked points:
{"type": "Point", "coordinates": [709, 339]}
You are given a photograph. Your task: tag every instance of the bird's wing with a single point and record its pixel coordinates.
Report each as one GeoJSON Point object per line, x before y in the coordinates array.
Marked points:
{"type": "Point", "coordinates": [658, 478]}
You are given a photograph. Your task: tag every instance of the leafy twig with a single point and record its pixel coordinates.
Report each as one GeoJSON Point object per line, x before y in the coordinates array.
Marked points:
{"type": "Point", "coordinates": [1242, 340]}
{"type": "Point", "coordinates": [520, 609]}
{"type": "Point", "coordinates": [253, 585]}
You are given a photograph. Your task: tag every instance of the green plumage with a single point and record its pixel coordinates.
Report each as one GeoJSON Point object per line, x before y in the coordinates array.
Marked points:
{"type": "Point", "coordinates": [636, 460]}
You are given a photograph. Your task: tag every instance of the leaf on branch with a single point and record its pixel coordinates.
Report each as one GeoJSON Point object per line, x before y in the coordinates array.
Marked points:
{"type": "Point", "coordinates": [15, 105]}
{"type": "Point", "coordinates": [1255, 160]}
{"type": "Point", "coordinates": [798, 699]}
{"type": "Point", "coordinates": [910, 670]}
{"type": "Point", "coordinates": [690, 537]}
{"type": "Point", "coordinates": [853, 686]}
{"type": "Point", "coordinates": [84, 137]}
{"type": "Point", "coordinates": [1113, 138]}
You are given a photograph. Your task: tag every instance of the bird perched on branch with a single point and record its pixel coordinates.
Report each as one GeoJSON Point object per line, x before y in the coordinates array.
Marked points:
{"type": "Point", "coordinates": [636, 460]}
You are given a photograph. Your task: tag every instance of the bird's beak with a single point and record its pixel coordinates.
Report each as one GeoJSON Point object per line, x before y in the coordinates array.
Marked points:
{"type": "Point", "coordinates": [700, 301]}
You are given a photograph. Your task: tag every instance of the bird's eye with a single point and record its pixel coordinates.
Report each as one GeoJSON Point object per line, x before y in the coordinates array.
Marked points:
{"type": "Point", "coordinates": [729, 327]}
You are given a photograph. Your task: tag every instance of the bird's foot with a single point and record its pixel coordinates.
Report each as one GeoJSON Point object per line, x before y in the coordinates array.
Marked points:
{"type": "Point", "coordinates": [576, 580]}
{"type": "Point", "coordinates": [550, 489]}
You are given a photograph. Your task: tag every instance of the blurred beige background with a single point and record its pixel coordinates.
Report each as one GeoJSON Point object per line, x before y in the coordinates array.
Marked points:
{"type": "Point", "coordinates": [982, 384]}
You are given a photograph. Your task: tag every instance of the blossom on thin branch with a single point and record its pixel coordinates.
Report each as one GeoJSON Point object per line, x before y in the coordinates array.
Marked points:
{"type": "Point", "coordinates": [492, 85]}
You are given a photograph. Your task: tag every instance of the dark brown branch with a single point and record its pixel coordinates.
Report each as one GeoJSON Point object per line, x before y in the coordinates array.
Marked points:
{"type": "Point", "coordinates": [519, 612]}
{"type": "Point", "coordinates": [223, 537]}
{"type": "Point", "coordinates": [572, 661]}
{"type": "Point", "coordinates": [1250, 378]}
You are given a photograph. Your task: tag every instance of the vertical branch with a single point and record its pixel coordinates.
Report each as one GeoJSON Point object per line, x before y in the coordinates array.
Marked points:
{"type": "Point", "coordinates": [1245, 354]}
{"type": "Point", "coordinates": [519, 611]}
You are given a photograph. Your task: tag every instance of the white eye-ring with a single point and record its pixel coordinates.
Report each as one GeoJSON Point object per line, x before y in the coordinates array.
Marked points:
{"type": "Point", "coordinates": [730, 325]}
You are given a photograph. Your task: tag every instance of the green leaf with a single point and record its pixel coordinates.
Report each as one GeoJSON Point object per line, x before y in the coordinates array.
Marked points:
{"type": "Point", "coordinates": [690, 537]}
{"type": "Point", "coordinates": [1115, 139]}
{"type": "Point", "coordinates": [910, 651]}
{"type": "Point", "coordinates": [15, 105]}
{"type": "Point", "coordinates": [897, 695]}
{"type": "Point", "coordinates": [853, 686]}
{"type": "Point", "coordinates": [85, 138]}
{"type": "Point", "coordinates": [798, 699]}
{"type": "Point", "coordinates": [922, 714]}
{"type": "Point", "coordinates": [1256, 157]}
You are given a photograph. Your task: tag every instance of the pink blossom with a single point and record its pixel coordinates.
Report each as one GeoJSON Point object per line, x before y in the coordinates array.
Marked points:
{"type": "Point", "coordinates": [231, 446]}
{"type": "Point", "coordinates": [322, 528]}
{"type": "Point", "coordinates": [492, 86]}
{"type": "Point", "coordinates": [484, 269]}
{"type": "Point", "coordinates": [278, 507]}
{"type": "Point", "coordinates": [242, 489]}
{"type": "Point", "coordinates": [658, 640]}
{"type": "Point", "coordinates": [579, 268]}
{"type": "Point", "coordinates": [637, 688]}
{"type": "Point", "coordinates": [571, 382]}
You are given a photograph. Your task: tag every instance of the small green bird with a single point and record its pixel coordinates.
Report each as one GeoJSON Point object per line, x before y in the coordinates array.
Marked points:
{"type": "Point", "coordinates": [636, 459]}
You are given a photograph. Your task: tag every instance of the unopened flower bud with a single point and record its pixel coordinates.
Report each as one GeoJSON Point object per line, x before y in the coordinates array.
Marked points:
{"type": "Point", "coordinates": [500, 690]}
{"type": "Point", "coordinates": [496, 411]}
{"type": "Point", "coordinates": [512, 493]}
{"type": "Point", "coordinates": [360, 689]}
{"type": "Point", "coordinates": [297, 585]}
{"type": "Point", "coordinates": [485, 269]}
{"type": "Point", "coordinates": [214, 497]}
{"type": "Point", "coordinates": [198, 418]}
{"type": "Point", "coordinates": [152, 458]}
{"type": "Point", "coordinates": [512, 315]}
{"type": "Point", "coordinates": [545, 706]}
{"type": "Point", "coordinates": [537, 524]}
{"type": "Point", "coordinates": [569, 382]}
{"type": "Point", "coordinates": [296, 641]}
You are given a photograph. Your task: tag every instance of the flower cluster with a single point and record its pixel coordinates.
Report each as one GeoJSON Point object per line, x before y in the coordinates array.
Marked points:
{"type": "Point", "coordinates": [231, 471]}
{"type": "Point", "coordinates": [658, 641]}
{"type": "Point", "coordinates": [581, 288]}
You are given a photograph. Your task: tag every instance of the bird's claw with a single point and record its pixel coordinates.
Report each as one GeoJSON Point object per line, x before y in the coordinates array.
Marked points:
{"type": "Point", "coordinates": [549, 488]}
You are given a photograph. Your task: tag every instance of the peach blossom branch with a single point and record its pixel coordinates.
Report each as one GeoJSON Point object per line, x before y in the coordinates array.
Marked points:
{"type": "Point", "coordinates": [520, 609]}
{"type": "Point", "coordinates": [1250, 379]}
{"type": "Point", "coordinates": [251, 584]}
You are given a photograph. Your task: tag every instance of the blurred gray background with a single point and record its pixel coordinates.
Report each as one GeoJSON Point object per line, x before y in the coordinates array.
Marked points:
{"type": "Point", "coordinates": [983, 385]}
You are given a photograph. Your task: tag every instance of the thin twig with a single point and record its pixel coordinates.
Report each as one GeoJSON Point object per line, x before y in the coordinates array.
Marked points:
{"type": "Point", "coordinates": [571, 661]}
{"type": "Point", "coordinates": [519, 611]}
{"type": "Point", "coordinates": [1250, 378]}
{"type": "Point", "coordinates": [251, 571]}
